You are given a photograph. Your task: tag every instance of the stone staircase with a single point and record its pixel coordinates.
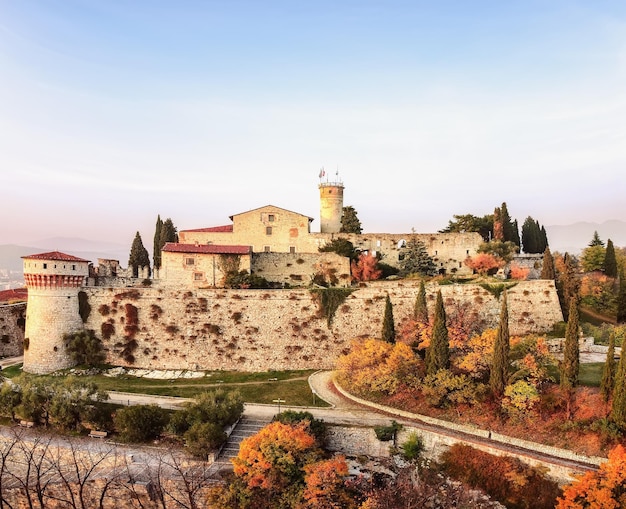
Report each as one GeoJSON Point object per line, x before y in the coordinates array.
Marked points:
{"type": "Point", "coordinates": [245, 428]}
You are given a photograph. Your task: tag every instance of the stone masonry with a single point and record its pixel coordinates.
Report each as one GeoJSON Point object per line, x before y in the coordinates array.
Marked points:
{"type": "Point", "coordinates": [260, 330]}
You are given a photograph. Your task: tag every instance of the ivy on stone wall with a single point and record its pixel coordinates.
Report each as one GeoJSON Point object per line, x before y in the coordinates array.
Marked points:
{"type": "Point", "coordinates": [496, 289]}
{"type": "Point", "coordinates": [328, 300]}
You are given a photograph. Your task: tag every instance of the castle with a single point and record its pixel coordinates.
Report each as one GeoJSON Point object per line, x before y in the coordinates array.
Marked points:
{"type": "Point", "coordinates": [184, 319]}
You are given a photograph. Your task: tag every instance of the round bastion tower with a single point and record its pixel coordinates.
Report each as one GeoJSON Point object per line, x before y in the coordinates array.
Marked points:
{"type": "Point", "coordinates": [53, 281]}
{"type": "Point", "coordinates": [331, 206]}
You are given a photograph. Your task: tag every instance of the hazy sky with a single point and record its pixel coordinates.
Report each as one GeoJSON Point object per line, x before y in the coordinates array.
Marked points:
{"type": "Point", "coordinates": [114, 111]}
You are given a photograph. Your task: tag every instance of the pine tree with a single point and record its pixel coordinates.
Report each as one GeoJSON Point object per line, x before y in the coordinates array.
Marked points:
{"type": "Point", "coordinates": [139, 256]}
{"type": "Point", "coordinates": [416, 259]}
{"type": "Point", "coordinates": [156, 245]}
{"type": "Point", "coordinates": [618, 407]}
{"type": "Point", "coordinates": [596, 241]}
{"type": "Point", "coordinates": [571, 353]}
{"type": "Point", "coordinates": [438, 353]}
{"type": "Point", "coordinates": [621, 298]}
{"type": "Point", "coordinates": [608, 372]}
{"type": "Point", "coordinates": [499, 375]}
{"type": "Point", "coordinates": [350, 222]}
{"type": "Point", "coordinates": [547, 269]}
{"type": "Point", "coordinates": [420, 311]}
{"type": "Point", "coordinates": [610, 262]}
{"type": "Point", "coordinates": [389, 331]}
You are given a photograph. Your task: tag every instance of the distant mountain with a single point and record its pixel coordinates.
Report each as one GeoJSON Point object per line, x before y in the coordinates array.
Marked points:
{"type": "Point", "coordinates": [575, 237]}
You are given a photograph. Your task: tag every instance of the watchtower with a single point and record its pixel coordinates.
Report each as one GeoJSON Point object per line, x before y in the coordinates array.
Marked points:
{"type": "Point", "coordinates": [331, 205]}
{"type": "Point", "coordinates": [53, 281]}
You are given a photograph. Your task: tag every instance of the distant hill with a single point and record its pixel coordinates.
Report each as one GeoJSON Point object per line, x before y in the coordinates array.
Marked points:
{"type": "Point", "coordinates": [575, 237]}
{"type": "Point", "coordinates": [11, 254]}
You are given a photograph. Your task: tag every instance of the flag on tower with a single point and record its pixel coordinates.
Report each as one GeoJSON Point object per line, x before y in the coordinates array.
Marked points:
{"type": "Point", "coordinates": [322, 173]}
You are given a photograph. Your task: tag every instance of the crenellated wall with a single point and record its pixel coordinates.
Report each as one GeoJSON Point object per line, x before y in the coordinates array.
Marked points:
{"type": "Point", "coordinates": [259, 330]}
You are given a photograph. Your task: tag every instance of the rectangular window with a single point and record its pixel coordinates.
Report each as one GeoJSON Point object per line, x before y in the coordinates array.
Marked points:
{"type": "Point", "coordinates": [378, 243]}
{"type": "Point", "coordinates": [292, 249]}
{"type": "Point", "coordinates": [189, 261]}
{"type": "Point", "coordinates": [45, 265]}
{"type": "Point", "coordinates": [268, 230]}
{"type": "Point", "coordinates": [73, 267]}
{"type": "Point", "coordinates": [270, 218]}
{"type": "Point", "coordinates": [198, 276]}
{"type": "Point", "coordinates": [266, 249]}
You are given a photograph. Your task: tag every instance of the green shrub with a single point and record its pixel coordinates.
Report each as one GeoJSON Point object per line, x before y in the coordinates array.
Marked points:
{"type": "Point", "coordinates": [140, 423]}
{"type": "Point", "coordinates": [413, 447]}
{"type": "Point", "coordinates": [387, 433]}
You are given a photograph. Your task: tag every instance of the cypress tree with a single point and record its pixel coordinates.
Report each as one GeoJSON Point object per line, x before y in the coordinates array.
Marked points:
{"type": "Point", "coordinates": [420, 312]}
{"type": "Point", "coordinates": [610, 262]}
{"type": "Point", "coordinates": [618, 407]}
{"type": "Point", "coordinates": [168, 233]}
{"type": "Point", "coordinates": [571, 353]}
{"type": "Point", "coordinates": [568, 284]}
{"type": "Point", "coordinates": [621, 298]}
{"type": "Point", "coordinates": [156, 245]}
{"type": "Point", "coordinates": [544, 239]}
{"type": "Point", "coordinates": [547, 269]}
{"type": "Point", "coordinates": [438, 353]}
{"type": "Point", "coordinates": [499, 375]}
{"type": "Point", "coordinates": [389, 331]}
{"type": "Point", "coordinates": [608, 372]}
{"type": "Point", "coordinates": [350, 222]}
{"type": "Point", "coordinates": [139, 256]}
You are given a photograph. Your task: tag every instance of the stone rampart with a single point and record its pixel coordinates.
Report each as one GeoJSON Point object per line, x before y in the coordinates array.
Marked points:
{"type": "Point", "coordinates": [259, 330]}
{"type": "Point", "coordinates": [12, 323]}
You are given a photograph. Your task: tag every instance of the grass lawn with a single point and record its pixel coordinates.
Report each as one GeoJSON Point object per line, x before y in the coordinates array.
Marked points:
{"type": "Point", "coordinates": [290, 386]}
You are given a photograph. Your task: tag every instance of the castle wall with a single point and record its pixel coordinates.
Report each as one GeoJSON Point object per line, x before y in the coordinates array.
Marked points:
{"type": "Point", "coordinates": [298, 269]}
{"type": "Point", "coordinates": [448, 250]}
{"type": "Point", "coordinates": [259, 330]}
{"type": "Point", "coordinates": [12, 323]}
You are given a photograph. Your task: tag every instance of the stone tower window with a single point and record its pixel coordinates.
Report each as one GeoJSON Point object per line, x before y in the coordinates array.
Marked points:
{"type": "Point", "coordinates": [268, 230]}
{"type": "Point", "coordinates": [266, 249]}
{"type": "Point", "coordinates": [45, 265]}
{"type": "Point", "coordinates": [292, 249]}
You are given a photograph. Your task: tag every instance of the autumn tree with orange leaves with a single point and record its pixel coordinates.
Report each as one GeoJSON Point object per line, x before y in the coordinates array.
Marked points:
{"type": "Point", "coordinates": [365, 268]}
{"type": "Point", "coordinates": [484, 263]}
{"type": "Point", "coordinates": [602, 489]}
{"type": "Point", "coordinates": [283, 467]}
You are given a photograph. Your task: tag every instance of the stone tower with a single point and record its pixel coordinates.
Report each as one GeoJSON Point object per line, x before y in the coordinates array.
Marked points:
{"type": "Point", "coordinates": [53, 281]}
{"type": "Point", "coordinates": [331, 206]}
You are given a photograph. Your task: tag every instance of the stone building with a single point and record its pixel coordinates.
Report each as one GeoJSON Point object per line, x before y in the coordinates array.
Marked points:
{"type": "Point", "coordinates": [195, 265]}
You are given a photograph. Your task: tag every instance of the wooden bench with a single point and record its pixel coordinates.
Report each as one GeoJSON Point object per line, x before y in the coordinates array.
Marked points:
{"type": "Point", "coordinates": [98, 434]}
{"type": "Point", "coordinates": [27, 424]}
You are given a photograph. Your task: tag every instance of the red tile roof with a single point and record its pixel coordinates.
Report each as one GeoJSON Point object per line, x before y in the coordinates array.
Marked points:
{"type": "Point", "coordinates": [17, 294]}
{"type": "Point", "coordinates": [214, 229]}
{"type": "Point", "coordinates": [55, 255]}
{"type": "Point", "coordinates": [171, 247]}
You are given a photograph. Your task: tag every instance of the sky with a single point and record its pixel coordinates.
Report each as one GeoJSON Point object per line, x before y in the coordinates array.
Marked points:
{"type": "Point", "coordinates": [115, 111]}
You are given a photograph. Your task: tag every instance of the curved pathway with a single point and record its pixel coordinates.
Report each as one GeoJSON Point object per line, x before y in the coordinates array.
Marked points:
{"type": "Point", "coordinates": [355, 410]}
